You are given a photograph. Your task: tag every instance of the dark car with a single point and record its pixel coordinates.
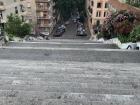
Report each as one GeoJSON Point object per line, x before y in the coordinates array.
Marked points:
{"type": "Point", "coordinates": [59, 33]}
{"type": "Point", "coordinates": [62, 27]}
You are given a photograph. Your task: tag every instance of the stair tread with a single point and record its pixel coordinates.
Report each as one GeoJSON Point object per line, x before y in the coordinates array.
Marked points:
{"type": "Point", "coordinates": [66, 72]}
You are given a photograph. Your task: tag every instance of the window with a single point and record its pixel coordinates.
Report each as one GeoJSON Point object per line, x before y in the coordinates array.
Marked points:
{"type": "Point", "coordinates": [98, 22]}
{"type": "Point", "coordinates": [99, 5]}
{"type": "Point", "coordinates": [105, 14]}
{"type": "Point", "coordinates": [92, 3]}
{"type": "Point", "coordinates": [90, 20]}
{"type": "Point", "coordinates": [22, 9]}
{"type": "Point", "coordinates": [90, 9]}
{"type": "Point", "coordinates": [98, 14]}
{"type": "Point", "coordinates": [22, 17]}
{"type": "Point", "coordinates": [1, 15]}
{"type": "Point", "coordinates": [1, 3]}
{"type": "Point", "coordinates": [106, 5]}
{"type": "Point", "coordinates": [16, 10]}
{"type": "Point", "coordinates": [44, 15]}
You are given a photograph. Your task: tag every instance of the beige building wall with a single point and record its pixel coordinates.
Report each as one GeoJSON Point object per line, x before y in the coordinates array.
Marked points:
{"type": "Point", "coordinates": [37, 12]}
{"type": "Point", "coordinates": [24, 8]}
{"type": "Point", "coordinates": [97, 11]}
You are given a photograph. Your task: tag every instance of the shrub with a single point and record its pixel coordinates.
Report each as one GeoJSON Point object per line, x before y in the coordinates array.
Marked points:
{"type": "Point", "coordinates": [16, 27]}
{"type": "Point", "coordinates": [135, 34]}
{"type": "Point", "coordinates": [123, 38]}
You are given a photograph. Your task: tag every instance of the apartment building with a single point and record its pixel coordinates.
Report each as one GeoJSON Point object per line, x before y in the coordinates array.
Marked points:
{"type": "Point", "coordinates": [23, 8]}
{"type": "Point", "coordinates": [2, 8]}
{"type": "Point", "coordinates": [44, 14]}
{"type": "Point", "coordinates": [97, 11]}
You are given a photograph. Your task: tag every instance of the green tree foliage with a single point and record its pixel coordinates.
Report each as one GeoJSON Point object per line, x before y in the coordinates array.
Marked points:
{"type": "Point", "coordinates": [135, 3]}
{"type": "Point", "coordinates": [135, 34]}
{"type": "Point", "coordinates": [66, 7]}
{"type": "Point", "coordinates": [16, 27]}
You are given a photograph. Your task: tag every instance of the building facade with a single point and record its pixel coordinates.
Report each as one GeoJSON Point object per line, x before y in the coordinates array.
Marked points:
{"type": "Point", "coordinates": [97, 11]}
{"type": "Point", "coordinates": [23, 8]}
{"type": "Point", "coordinates": [44, 15]}
{"type": "Point", "coordinates": [37, 12]}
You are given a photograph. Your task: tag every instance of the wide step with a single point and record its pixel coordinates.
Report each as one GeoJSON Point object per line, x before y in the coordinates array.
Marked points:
{"type": "Point", "coordinates": [63, 45]}
{"type": "Point", "coordinates": [70, 54]}
{"type": "Point", "coordinates": [68, 72]}
{"type": "Point", "coordinates": [35, 83]}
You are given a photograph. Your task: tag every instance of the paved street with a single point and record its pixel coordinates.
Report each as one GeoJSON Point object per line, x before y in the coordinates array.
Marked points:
{"type": "Point", "coordinates": [71, 30]}
{"type": "Point", "coordinates": [68, 72]}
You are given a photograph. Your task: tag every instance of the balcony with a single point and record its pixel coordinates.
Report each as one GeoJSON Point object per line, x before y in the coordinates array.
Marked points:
{"type": "Point", "coordinates": [42, 9]}
{"type": "Point", "coordinates": [43, 25]}
{"type": "Point", "coordinates": [44, 17]}
{"type": "Point", "coordinates": [2, 8]}
{"type": "Point", "coordinates": [42, 1]}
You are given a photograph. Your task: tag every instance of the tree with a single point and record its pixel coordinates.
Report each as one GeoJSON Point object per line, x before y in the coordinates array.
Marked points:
{"type": "Point", "coordinates": [66, 7]}
{"type": "Point", "coordinates": [16, 27]}
{"type": "Point", "coordinates": [135, 3]}
{"type": "Point", "coordinates": [119, 23]}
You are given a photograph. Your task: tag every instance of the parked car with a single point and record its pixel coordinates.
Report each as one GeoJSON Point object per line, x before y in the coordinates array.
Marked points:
{"type": "Point", "coordinates": [59, 33]}
{"type": "Point", "coordinates": [62, 27]}
{"type": "Point", "coordinates": [81, 31]}
{"type": "Point", "coordinates": [45, 35]}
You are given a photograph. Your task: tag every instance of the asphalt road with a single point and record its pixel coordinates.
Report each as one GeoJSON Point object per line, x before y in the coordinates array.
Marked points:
{"type": "Point", "coordinates": [71, 30]}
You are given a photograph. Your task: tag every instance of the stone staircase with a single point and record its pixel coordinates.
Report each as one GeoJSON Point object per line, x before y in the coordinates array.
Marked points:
{"type": "Point", "coordinates": [68, 72]}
